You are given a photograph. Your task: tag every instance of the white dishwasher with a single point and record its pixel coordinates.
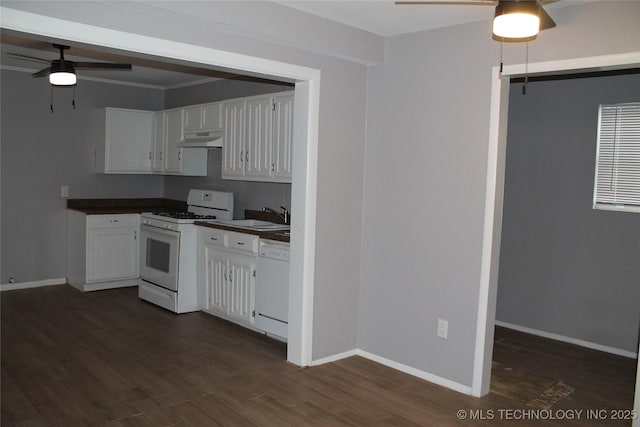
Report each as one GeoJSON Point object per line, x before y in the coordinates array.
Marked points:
{"type": "Point", "coordinates": [272, 288]}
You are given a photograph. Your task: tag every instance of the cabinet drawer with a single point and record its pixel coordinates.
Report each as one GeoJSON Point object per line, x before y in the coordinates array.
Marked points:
{"type": "Point", "coordinates": [243, 242]}
{"type": "Point", "coordinates": [113, 221]}
{"type": "Point", "coordinates": [213, 236]}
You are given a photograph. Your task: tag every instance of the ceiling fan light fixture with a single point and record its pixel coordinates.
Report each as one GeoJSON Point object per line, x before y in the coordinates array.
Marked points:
{"type": "Point", "coordinates": [62, 73]}
{"type": "Point", "coordinates": [62, 78]}
{"type": "Point", "coordinates": [516, 20]}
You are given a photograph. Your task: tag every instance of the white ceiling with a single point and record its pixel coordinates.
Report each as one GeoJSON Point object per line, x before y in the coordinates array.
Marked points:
{"type": "Point", "coordinates": [381, 17]}
{"type": "Point", "coordinates": [385, 18]}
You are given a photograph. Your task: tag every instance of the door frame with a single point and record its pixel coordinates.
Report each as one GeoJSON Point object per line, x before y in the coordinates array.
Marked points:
{"type": "Point", "coordinates": [305, 138]}
{"type": "Point", "coordinates": [494, 192]}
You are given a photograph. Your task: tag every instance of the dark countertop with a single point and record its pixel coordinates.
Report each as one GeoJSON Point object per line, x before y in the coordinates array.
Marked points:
{"type": "Point", "coordinates": [124, 206]}
{"type": "Point", "coordinates": [271, 235]}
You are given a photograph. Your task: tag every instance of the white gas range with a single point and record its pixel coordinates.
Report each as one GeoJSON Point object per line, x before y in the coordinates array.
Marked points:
{"type": "Point", "coordinates": [168, 250]}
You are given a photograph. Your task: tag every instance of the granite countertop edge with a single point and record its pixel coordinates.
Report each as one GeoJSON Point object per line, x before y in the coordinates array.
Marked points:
{"type": "Point", "coordinates": [124, 206]}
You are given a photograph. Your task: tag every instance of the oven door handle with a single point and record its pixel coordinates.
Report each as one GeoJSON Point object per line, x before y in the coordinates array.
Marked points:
{"type": "Point", "coordinates": [152, 229]}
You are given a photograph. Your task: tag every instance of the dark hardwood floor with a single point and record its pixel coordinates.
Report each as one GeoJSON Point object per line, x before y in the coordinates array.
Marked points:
{"type": "Point", "coordinates": [107, 358]}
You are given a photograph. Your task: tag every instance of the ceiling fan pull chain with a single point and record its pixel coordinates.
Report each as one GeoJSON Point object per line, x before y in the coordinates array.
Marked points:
{"type": "Point", "coordinates": [51, 99]}
{"type": "Point", "coordinates": [501, 62]}
{"type": "Point", "coordinates": [526, 70]}
{"type": "Point", "coordinates": [73, 100]}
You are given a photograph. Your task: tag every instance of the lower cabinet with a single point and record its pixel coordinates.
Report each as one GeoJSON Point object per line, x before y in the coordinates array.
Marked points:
{"type": "Point", "coordinates": [227, 274]}
{"type": "Point", "coordinates": [103, 250]}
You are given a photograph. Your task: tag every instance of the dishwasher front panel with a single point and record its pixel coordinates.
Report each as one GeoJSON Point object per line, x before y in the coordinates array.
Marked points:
{"type": "Point", "coordinates": [272, 296]}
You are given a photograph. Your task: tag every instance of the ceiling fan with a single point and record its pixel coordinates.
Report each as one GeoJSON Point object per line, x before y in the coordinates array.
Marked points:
{"type": "Point", "coordinates": [62, 72]}
{"type": "Point", "coordinates": [514, 20]}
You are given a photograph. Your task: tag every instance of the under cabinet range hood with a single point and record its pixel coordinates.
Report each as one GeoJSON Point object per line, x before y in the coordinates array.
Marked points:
{"type": "Point", "coordinates": [202, 138]}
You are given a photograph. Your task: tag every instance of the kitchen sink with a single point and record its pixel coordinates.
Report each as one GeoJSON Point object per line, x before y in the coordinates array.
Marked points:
{"type": "Point", "coordinates": [254, 224]}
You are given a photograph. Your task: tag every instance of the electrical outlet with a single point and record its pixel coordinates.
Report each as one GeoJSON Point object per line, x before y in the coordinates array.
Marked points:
{"type": "Point", "coordinates": [443, 328]}
{"type": "Point", "coordinates": [64, 191]}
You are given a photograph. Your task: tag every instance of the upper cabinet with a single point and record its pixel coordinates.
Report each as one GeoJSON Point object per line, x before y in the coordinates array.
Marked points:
{"type": "Point", "coordinates": [258, 138]}
{"type": "Point", "coordinates": [203, 117]}
{"type": "Point", "coordinates": [124, 139]}
{"type": "Point", "coordinates": [144, 142]}
{"type": "Point", "coordinates": [169, 159]}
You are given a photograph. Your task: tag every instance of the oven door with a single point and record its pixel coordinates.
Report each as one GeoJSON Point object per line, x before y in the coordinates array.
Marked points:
{"type": "Point", "coordinates": [159, 253]}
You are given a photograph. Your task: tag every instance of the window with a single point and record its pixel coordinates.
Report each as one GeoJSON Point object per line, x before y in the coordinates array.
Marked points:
{"type": "Point", "coordinates": [617, 178]}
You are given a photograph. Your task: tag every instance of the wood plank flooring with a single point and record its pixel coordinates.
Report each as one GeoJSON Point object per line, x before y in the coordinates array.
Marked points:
{"type": "Point", "coordinates": [107, 358]}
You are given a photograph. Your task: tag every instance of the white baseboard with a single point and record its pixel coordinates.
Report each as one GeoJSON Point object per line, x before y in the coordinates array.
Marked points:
{"type": "Point", "coordinates": [576, 341]}
{"type": "Point", "coordinates": [435, 379]}
{"type": "Point", "coordinates": [36, 284]}
{"type": "Point", "coordinates": [88, 287]}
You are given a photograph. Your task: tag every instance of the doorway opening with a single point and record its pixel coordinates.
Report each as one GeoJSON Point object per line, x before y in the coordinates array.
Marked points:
{"type": "Point", "coordinates": [568, 273]}
{"type": "Point", "coordinates": [495, 192]}
{"type": "Point", "coordinates": [305, 135]}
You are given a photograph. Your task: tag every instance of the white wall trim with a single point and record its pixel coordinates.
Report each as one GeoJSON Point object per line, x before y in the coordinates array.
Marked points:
{"type": "Point", "coordinates": [427, 376]}
{"type": "Point", "coordinates": [493, 206]}
{"type": "Point", "coordinates": [35, 284]}
{"type": "Point", "coordinates": [575, 341]}
{"type": "Point", "coordinates": [305, 138]}
{"type": "Point", "coordinates": [336, 357]}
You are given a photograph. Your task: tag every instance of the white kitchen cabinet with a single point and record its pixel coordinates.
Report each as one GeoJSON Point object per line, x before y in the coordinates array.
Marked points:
{"type": "Point", "coordinates": [258, 138]}
{"type": "Point", "coordinates": [226, 274]}
{"type": "Point", "coordinates": [124, 141]}
{"type": "Point", "coordinates": [168, 158]}
{"type": "Point", "coordinates": [233, 146]}
{"type": "Point", "coordinates": [203, 117]}
{"type": "Point", "coordinates": [241, 299]}
{"type": "Point", "coordinates": [259, 122]}
{"type": "Point", "coordinates": [282, 138]}
{"type": "Point", "coordinates": [103, 250]}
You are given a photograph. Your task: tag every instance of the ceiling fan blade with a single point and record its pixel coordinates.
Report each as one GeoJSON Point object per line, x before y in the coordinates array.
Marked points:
{"type": "Point", "coordinates": [28, 58]}
{"type": "Point", "coordinates": [102, 65]}
{"type": "Point", "coordinates": [450, 2]}
{"type": "Point", "coordinates": [42, 73]}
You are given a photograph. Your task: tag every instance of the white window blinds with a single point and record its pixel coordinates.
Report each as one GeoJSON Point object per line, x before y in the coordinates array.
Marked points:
{"type": "Point", "coordinates": [617, 178]}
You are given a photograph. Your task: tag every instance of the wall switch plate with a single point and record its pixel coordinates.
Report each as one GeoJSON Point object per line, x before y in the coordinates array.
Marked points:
{"type": "Point", "coordinates": [64, 191]}
{"type": "Point", "coordinates": [443, 328]}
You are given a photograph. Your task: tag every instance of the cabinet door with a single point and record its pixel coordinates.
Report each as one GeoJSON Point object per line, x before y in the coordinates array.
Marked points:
{"type": "Point", "coordinates": [159, 140]}
{"type": "Point", "coordinates": [193, 118]}
{"type": "Point", "coordinates": [215, 279]}
{"type": "Point", "coordinates": [233, 145]}
{"type": "Point", "coordinates": [173, 157]}
{"type": "Point", "coordinates": [211, 116]}
{"type": "Point", "coordinates": [112, 254]}
{"type": "Point", "coordinates": [241, 287]}
{"type": "Point", "coordinates": [282, 138]}
{"type": "Point", "coordinates": [258, 139]}
{"type": "Point", "coordinates": [128, 138]}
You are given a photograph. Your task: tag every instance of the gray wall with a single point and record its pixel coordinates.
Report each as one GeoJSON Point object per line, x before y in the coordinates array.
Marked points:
{"type": "Point", "coordinates": [566, 268]}
{"type": "Point", "coordinates": [398, 242]}
{"type": "Point", "coordinates": [426, 167]}
{"type": "Point", "coordinates": [43, 151]}
{"type": "Point", "coordinates": [247, 195]}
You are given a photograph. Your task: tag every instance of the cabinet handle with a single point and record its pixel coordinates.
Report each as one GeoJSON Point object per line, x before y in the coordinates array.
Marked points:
{"type": "Point", "coordinates": [135, 234]}
{"type": "Point", "coordinates": [241, 157]}
{"type": "Point", "coordinates": [240, 243]}
{"type": "Point", "coordinates": [273, 167]}
{"type": "Point", "coordinates": [114, 220]}
{"type": "Point", "coordinates": [179, 155]}
{"type": "Point", "coordinates": [161, 156]}
{"type": "Point", "coordinates": [246, 156]}
{"type": "Point", "coordinates": [213, 238]}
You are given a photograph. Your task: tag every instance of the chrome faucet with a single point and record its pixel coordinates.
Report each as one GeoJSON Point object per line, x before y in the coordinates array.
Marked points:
{"type": "Point", "coordinates": [284, 216]}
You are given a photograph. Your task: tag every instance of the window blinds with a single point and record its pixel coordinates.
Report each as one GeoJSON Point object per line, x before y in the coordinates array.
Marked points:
{"type": "Point", "coordinates": [617, 178]}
